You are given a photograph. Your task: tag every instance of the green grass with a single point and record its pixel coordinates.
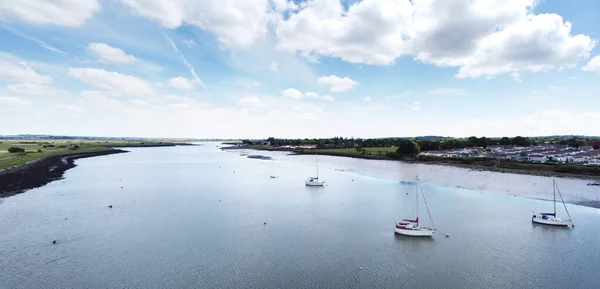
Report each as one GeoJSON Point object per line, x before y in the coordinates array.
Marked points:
{"type": "Point", "coordinates": [58, 147]}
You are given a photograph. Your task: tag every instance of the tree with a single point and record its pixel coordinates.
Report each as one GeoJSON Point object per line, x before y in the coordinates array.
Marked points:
{"type": "Point", "coordinates": [505, 141]}
{"type": "Point", "coordinates": [521, 141]}
{"type": "Point", "coordinates": [408, 148]}
{"type": "Point", "coordinates": [16, 150]}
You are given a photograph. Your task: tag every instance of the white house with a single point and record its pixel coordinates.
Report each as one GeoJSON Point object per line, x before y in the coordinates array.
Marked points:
{"type": "Point", "coordinates": [577, 159]}
{"type": "Point", "coordinates": [595, 162]}
{"type": "Point", "coordinates": [537, 158]}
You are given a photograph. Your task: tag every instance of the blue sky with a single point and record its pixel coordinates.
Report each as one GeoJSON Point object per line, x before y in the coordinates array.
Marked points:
{"type": "Point", "coordinates": [318, 68]}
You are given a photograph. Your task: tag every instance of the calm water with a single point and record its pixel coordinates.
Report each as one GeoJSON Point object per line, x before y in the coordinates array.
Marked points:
{"type": "Point", "coordinates": [183, 218]}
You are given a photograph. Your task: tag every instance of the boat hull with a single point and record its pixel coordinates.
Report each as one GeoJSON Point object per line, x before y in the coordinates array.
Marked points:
{"type": "Point", "coordinates": [415, 233]}
{"type": "Point", "coordinates": [551, 222]}
{"type": "Point", "coordinates": [314, 184]}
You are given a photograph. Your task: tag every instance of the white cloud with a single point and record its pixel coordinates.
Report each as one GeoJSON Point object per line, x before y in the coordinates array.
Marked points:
{"type": "Point", "coordinates": [19, 71]}
{"type": "Point", "coordinates": [369, 32]}
{"type": "Point", "coordinates": [114, 81]}
{"type": "Point", "coordinates": [60, 13]}
{"type": "Point", "coordinates": [251, 101]}
{"type": "Point", "coordinates": [192, 70]}
{"type": "Point", "coordinates": [110, 54]}
{"type": "Point", "coordinates": [69, 107]}
{"type": "Point", "coordinates": [274, 66]}
{"type": "Point", "coordinates": [189, 43]}
{"type": "Point", "coordinates": [337, 84]}
{"type": "Point", "coordinates": [516, 77]}
{"type": "Point", "coordinates": [572, 77]}
{"type": "Point", "coordinates": [593, 64]}
{"type": "Point", "coordinates": [415, 106]}
{"type": "Point", "coordinates": [237, 24]}
{"type": "Point", "coordinates": [540, 42]}
{"type": "Point", "coordinates": [311, 95]}
{"type": "Point", "coordinates": [14, 101]}
{"type": "Point", "coordinates": [183, 83]}
{"type": "Point", "coordinates": [446, 91]}
{"type": "Point", "coordinates": [292, 93]}
{"type": "Point", "coordinates": [30, 88]}
{"type": "Point", "coordinates": [366, 99]}
{"type": "Point", "coordinates": [327, 97]}
{"type": "Point", "coordinates": [482, 38]}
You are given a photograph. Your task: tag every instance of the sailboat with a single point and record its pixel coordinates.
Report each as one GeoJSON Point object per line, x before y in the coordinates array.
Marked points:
{"type": "Point", "coordinates": [314, 181]}
{"type": "Point", "coordinates": [550, 218]}
{"type": "Point", "coordinates": [409, 227]}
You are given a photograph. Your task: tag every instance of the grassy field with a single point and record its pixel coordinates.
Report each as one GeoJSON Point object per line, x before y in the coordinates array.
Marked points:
{"type": "Point", "coordinates": [38, 149]}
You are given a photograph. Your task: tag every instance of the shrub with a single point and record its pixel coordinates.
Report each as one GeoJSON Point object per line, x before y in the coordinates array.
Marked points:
{"type": "Point", "coordinates": [40, 151]}
{"type": "Point", "coordinates": [16, 150]}
{"type": "Point", "coordinates": [61, 146]}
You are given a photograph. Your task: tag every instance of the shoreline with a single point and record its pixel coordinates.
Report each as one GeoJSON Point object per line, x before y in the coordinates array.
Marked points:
{"type": "Point", "coordinates": [592, 178]}
{"type": "Point", "coordinates": [35, 174]}
{"type": "Point", "coordinates": [525, 184]}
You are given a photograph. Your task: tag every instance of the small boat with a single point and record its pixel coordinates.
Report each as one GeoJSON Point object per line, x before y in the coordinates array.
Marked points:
{"type": "Point", "coordinates": [410, 227]}
{"type": "Point", "coordinates": [314, 181]}
{"type": "Point", "coordinates": [550, 218]}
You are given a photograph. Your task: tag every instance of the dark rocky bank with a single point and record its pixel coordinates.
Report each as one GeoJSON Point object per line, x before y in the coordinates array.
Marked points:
{"type": "Point", "coordinates": [38, 173]}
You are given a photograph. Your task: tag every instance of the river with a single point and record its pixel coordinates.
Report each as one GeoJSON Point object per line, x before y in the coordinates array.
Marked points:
{"type": "Point", "coordinates": [195, 217]}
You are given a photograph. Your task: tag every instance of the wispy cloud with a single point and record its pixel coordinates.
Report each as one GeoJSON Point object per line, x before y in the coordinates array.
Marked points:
{"type": "Point", "coordinates": [187, 64]}
{"type": "Point", "coordinates": [30, 38]}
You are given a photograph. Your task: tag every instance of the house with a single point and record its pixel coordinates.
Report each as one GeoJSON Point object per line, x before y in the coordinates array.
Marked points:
{"type": "Point", "coordinates": [586, 148]}
{"type": "Point", "coordinates": [595, 162]}
{"type": "Point", "coordinates": [577, 159]}
{"type": "Point", "coordinates": [537, 158]}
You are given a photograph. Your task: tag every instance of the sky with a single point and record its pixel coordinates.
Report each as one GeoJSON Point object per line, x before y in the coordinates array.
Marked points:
{"type": "Point", "coordinates": [299, 69]}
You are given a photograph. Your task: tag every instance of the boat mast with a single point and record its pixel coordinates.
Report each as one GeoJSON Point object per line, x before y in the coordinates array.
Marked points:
{"type": "Point", "coordinates": [554, 189]}
{"type": "Point", "coordinates": [317, 165]}
{"type": "Point", "coordinates": [417, 194]}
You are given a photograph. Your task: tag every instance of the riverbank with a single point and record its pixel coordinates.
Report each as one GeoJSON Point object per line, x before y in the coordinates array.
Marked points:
{"type": "Point", "coordinates": [590, 173]}
{"type": "Point", "coordinates": [42, 171]}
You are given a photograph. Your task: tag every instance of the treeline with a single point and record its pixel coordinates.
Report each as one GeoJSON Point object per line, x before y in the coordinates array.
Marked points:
{"type": "Point", "coordinates": [426, 143]}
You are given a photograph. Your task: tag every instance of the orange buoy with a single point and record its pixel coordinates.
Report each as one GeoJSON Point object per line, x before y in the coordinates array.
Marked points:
{"type": "Point", "coordinates": [54, 242]}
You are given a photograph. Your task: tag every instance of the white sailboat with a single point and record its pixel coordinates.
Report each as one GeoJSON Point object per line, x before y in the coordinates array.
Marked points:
{"type": "Point", "coordinates": [410, 227]}
{"type": "Point", "coordinates": [550, 218]}
{"type": "Point", "coordinates": [314, 181]}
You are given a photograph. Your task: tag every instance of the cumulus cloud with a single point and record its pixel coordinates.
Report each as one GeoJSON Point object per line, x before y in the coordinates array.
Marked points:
{"type": "Point", "coordinates": [14, 101]}
{"type": "Point", "coordinates": [337, 84]}
{"type": "Point", "coordinates": [108, 53]}
{"type": "Point", "coordinates": [274, 66]}
{"type": "Point", "coordinates": [366, 99]}
{"type": "Point", "coordinates": [327, 97]}
{"type": "Point", "coordinates": [237, 24]}
{"type": "Point", "coordinates": [13, 70]}
{"type": "Point", "coordinates": [292, 93]}
{"type": "Point", "coordinates": [481, 38]}
{"type": "Point", "coordinates": [516, 77]}
{"type": "Point", "coordinates": [184, 82]}
{"type": "Point", "coordinates": [415, 106]}
{"type": "Point", "coordinates": [311, 95]}
{"type": "Point", "coordinates": [251, 101]}
{"type": "Point", "coordinates": [593, 64]}
{"type": "Point", "coordinates": [113, 81]}
{"type": "Point", "coordinates": [60, 13]}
